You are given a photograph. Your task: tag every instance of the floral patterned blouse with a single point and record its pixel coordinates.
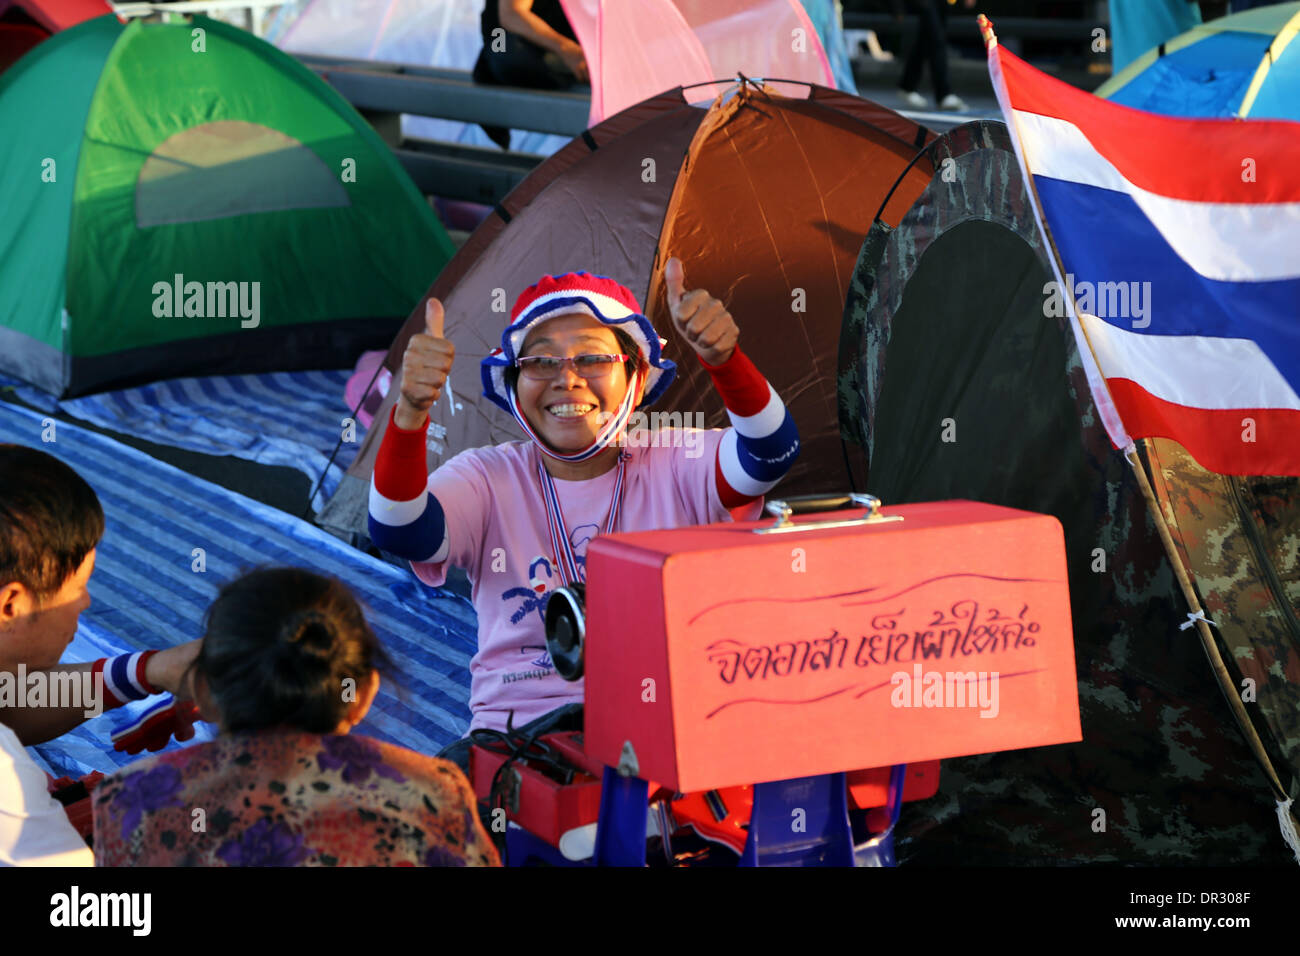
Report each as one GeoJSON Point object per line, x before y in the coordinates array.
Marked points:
{"type": "Point", "coordinates": [280, 798]}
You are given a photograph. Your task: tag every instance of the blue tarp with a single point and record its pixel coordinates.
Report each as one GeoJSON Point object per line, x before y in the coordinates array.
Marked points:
{"type": "Point", "coordinates": [146, 592]}
{"type": "Point", "coordinates": [293, 419]}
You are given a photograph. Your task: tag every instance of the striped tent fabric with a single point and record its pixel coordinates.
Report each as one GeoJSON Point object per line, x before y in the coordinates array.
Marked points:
{"type": "Point", "coordinates": [147, 590]}
{"type": "Point", "coordinates": [293, 419]}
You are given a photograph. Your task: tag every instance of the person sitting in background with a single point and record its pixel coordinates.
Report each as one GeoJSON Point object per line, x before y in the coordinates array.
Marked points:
{"type": "Point", "coordinates": [527, 43]}
{"type": "Point", "coordinates": [50, 524]}
{"type": "Point", "coordinates": [288, 667]}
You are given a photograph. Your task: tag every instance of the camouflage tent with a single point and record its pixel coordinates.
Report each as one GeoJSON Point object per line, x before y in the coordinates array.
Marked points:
{"type": "Point", "coordinates": [957, 386]}
{"type": "Point", "coordinates": [1240, 539]}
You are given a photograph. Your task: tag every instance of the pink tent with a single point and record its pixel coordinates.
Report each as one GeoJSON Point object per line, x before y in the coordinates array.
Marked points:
{"type": "Point", "coordinates": [636, 50]}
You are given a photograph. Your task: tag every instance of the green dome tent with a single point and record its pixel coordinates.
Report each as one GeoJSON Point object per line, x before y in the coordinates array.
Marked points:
{"type": "Point", "coordinates": [185, 199]}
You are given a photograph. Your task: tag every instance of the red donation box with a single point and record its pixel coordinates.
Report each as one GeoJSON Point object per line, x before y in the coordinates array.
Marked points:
{"type": "Point", "coordinates": [727, 657]}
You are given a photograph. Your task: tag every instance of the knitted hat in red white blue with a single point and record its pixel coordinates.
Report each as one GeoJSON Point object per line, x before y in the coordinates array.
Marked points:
{"type": "Point", "coordinates": [604, 300]}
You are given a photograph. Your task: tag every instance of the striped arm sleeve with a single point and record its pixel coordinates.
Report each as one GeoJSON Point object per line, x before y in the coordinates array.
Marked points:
{"type": "Point", "coordinates": [123, 678]}
{"type": "Point", "coordinates": [405, 519]}
{"type": "Point", "coordinates": [762, 443]}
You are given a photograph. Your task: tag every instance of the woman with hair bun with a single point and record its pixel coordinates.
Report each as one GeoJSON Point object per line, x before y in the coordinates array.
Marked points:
{"type": "Point", "coordinates": [287, 668]}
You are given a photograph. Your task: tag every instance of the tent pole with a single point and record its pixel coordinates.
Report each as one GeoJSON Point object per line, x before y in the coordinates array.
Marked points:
{"type": "Point", "coordinates": [1197, 616]}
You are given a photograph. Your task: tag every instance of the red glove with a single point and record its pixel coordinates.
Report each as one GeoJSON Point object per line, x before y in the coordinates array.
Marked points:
{"type": "Point", "coordinates": [154, 727]}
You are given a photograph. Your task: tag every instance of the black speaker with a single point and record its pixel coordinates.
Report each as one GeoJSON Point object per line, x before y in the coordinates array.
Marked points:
{"type": "Point", "coordinates": [566, 629]}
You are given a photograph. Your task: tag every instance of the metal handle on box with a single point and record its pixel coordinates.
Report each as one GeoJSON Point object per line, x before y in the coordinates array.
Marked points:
{"type": "Point", "coordinates": [783, 508]}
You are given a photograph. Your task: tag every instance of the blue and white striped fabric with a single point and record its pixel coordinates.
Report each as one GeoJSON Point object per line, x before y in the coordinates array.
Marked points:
{"type": "Point", "coordinates": [146, 591]}
{"type": "Point", "coordinates": [293, 419]}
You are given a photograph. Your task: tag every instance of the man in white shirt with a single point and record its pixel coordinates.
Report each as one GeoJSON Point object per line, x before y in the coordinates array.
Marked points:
{"type": "Point", "coordinates": [50, 523]}
{"type": "Point", "coordinates": [34, 829]}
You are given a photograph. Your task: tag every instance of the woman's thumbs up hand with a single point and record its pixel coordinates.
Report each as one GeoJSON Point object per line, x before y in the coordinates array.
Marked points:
{"type": "Point", "coordinates": [425, 366]}
{"type": "Point", "coordinates": [700, 319]}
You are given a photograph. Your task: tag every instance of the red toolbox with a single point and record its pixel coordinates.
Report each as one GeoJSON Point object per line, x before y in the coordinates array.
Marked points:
{"type": "Point", "coordinates": [535, 797]}
{"type": "Point", "coordinates": [731, 654]}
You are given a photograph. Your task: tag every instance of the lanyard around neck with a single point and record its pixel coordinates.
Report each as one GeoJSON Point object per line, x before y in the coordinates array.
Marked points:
{"type": "Point", "coordinates": [561, 547]}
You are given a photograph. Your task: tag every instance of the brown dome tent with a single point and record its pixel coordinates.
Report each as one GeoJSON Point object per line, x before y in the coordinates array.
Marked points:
{"type": "Point", "coordinates": [764, 197]}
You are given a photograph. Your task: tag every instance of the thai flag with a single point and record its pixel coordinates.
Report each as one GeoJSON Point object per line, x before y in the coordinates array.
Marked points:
{"type": "Point", "coordinates": [1176, 245]}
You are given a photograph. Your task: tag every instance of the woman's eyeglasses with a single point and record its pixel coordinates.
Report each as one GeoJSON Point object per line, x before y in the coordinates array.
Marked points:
{"type": "Point", "coordinates": [543, 368]}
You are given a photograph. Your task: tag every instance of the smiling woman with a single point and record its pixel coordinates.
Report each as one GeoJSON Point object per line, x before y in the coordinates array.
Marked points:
{"type": "Point", "coordinates": [577, 362]}
{"type": "Point", "coordinates": [570, 382]}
